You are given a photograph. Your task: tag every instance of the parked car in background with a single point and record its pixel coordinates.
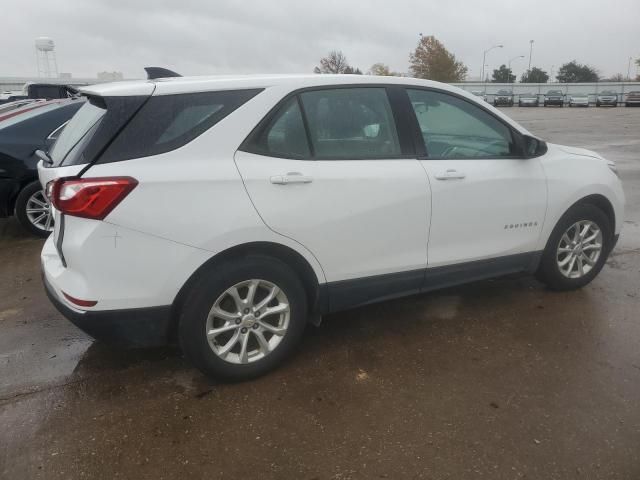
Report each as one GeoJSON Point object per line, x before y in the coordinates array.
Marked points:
{"type": "Point", "coordinates": [8, 97]}
{"type": "Point", "coordinates": [23, 131]}
{"type": "Point", "coordinates": [528, 100]}
{"type": "Point", "coordinates": [633, 99]}
{"type": "Point", "coordinates": [579, 100]}
{"type": "Point", "coordinates": [607, 97]}
{"type": "Point", "coordinates": [49, 91]}
{"type": "Point", "coordinates": [14, 105]}
{"type": "Point", "coordinates": [554, 97]}
{"type": "Point", "coordinates": [214, 210]}
{"type": "Point", "coordinates": [479, 93]}
{"type": "Point", "coordinates": [503, 98]}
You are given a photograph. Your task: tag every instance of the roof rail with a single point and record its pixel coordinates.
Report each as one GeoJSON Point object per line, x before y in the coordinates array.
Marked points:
{"type": "Point", "coordinates": [159, 72]}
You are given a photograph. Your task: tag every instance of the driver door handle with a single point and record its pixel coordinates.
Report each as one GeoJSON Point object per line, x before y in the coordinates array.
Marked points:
{"type": "Point", "coordinates": [450, 174]}
{"type": "Point", "coordinates": [289, 178]}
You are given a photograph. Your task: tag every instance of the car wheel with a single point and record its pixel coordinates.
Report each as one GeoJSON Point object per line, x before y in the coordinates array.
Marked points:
{"type": "Point", "coordinates": [243, 318]}
{"type": "Point", "coordinates": [577, 248]}
{"type": "Point", "coordinates": [597, 104]}
{"type": "Point", "coordinates": [33, 210]}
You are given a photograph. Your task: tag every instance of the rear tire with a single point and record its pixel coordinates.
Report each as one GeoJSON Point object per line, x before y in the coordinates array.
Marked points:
{"type": "Point", "coordinates": [560, 249]}
{"type": "Point", "coordinates": [33, 211]}
{"type": "Point", "coordinates": [247, 322]}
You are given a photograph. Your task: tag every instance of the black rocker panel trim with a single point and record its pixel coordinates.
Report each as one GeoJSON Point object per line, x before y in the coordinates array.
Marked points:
{"type": "Point", "coordinates": [345, 294]}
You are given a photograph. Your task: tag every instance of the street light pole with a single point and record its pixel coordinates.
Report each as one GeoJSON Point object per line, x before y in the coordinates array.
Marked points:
{"type": "Point", "coordinates": [484, 58]}
{"type": "Point", "coordinates": [629, 69]}
{"type": "Point", "coordinates": [514, 58]}
{"type": "Point", "coordinates": [530, 52]}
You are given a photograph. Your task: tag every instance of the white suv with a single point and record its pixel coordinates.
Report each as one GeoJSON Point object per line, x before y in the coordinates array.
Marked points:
{"type": "Point", "coordinates": [226, 213]}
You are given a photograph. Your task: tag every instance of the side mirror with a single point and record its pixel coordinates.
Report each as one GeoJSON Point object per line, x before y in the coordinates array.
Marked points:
{"type": "Point", "coordinates": [533, 147]}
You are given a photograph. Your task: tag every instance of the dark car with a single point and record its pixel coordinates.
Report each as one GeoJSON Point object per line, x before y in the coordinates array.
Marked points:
{"type": "Point", "coordinates": [528, 100]}
{"type": "Point", "coordinates": [633, 99]}
{"type": "Point", "coordinates": [22, 132]}
{"type": "Point", "coordinates": [50, 91]}
{"type": "Point", "coordinates": [503, 97]}
{"type": "Point", "coordinates": [607, 97]}
{"type": "Point", "coordinates": [554, 97]}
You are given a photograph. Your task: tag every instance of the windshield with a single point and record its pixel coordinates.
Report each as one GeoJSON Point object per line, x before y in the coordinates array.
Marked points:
{"type": "Point", "coordinates": [607, 92]}
{"type": "Point", "coordinates": [554, 92]}
{"type": "Point", "coordinates": [83, 121]}
{"type": "Point", "coordinates": [527, 95]}
{"type": "Point", "coordinates": [504, 92]}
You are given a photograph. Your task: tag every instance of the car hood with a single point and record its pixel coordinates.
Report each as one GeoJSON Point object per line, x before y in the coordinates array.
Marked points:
{"type": "Point", "coordinates": [583, 152]}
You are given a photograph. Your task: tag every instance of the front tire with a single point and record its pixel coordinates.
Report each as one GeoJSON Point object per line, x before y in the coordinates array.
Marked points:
{"type": "Point", "coordinates": [33, 210]}
{"type": "Point", "coordinates": [243, 318]}
{"type": "Point", "coordinates": [577, 248]}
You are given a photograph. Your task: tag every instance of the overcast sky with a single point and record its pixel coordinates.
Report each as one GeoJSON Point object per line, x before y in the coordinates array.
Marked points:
{"type": "Point", "coordinates": [225, 36]}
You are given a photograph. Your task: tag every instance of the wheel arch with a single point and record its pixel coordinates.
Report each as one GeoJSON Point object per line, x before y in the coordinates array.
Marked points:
{"type": "Point", "coordinates": [603, 203]}
{"type": "Point", "coordinates": [316, 297]}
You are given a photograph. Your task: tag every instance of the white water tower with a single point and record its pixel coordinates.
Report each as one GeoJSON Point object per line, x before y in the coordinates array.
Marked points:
{"type": "Point", "coordinates": [46, 58]}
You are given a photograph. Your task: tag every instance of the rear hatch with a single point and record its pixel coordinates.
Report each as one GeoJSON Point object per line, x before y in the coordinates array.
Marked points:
{"type": "Point", "coordinates": [89, 132]}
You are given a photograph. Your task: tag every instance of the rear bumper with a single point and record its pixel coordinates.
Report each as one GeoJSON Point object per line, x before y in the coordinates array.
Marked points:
{"type": "Point", "coordinates": [139, 327]}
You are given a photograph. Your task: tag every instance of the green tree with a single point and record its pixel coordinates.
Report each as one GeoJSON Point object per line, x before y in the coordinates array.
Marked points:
{"type": "Point", "coordinates": [381, 69]}
{"type": "Point", "coordinates": [335, 62]}
{"type": "Point", "coordinates": [573, 72]}
{"type": "Point", "coordinates": [535, 75]}
{"type": "Point", "coordinates": [503, 75]}
{"type": "Point", "coordinates": [431, 60]}
{"type": "Point", "coordinates": [353, 71]}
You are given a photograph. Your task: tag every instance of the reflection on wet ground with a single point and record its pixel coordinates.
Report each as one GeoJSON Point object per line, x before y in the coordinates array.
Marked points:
{"type": "Point", "coordinates": [498, 379]}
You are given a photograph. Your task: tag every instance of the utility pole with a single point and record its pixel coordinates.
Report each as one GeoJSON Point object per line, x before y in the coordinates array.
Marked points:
{"type": "Point", "coordinates": [629, 69]}
{"type": "Point", "coordinates": [530, 52]}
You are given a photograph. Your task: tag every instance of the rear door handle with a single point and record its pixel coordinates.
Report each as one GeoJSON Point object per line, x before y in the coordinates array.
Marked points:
{"type": "Point", "coordinates": [450, 174]}
{"type": "Point", "coordinates": [291, 177]}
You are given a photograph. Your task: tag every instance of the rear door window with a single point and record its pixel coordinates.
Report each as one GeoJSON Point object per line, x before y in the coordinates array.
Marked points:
{"type": "Point", "coordinates": [167, 122]}
{"type": "Point", "coordinates": [285, 135]}
{"type": "Point", "coordinates": [351, 123]}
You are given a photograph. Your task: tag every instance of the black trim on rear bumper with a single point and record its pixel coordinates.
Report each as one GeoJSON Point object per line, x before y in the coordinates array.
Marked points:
{"type": "Point", "coordinates": [137, 327]}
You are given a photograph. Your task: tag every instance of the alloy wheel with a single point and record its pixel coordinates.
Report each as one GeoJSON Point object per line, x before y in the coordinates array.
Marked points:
{"type": "Point", "coordinates": [38, 211]}
{"type": "Point", "coordinates": [579, 249]}
{"type": "Point", "coordinates": [248, 321]}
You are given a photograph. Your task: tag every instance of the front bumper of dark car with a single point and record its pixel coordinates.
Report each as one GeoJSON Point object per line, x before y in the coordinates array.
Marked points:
{"type": "Point", "coordinates": [553, 101]}
{"type": "Point", "coordinates": [8, 190]}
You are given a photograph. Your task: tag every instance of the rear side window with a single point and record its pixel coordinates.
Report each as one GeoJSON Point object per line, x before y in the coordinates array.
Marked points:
{"type": "Point", "coordinates": [167, 122]}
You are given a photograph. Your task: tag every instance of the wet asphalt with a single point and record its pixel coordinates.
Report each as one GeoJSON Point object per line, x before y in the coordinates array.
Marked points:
{"type": "Point", "coordinates": [499, 379]}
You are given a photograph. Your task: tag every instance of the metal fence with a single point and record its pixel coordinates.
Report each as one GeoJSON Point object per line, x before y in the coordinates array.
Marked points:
{"type": "Point", "coordinates": [489, 90]}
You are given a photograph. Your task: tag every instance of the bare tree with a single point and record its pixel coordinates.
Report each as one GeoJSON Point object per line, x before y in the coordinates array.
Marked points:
{"type": "Point", "coordinates": [335, 62]}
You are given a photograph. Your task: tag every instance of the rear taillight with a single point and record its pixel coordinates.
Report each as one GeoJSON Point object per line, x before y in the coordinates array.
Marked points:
{"type": "Point", "coordinates": [89, 197]}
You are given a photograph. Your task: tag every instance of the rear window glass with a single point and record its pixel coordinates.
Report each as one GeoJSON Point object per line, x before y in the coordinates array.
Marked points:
{"type": "Point", "coordinates": [76, 129]}
{"type": "Point", "coordinates": [167, 122]}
